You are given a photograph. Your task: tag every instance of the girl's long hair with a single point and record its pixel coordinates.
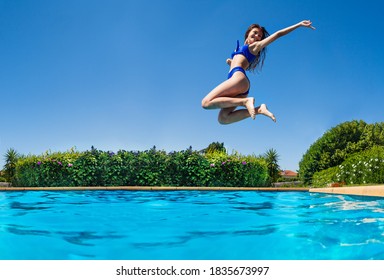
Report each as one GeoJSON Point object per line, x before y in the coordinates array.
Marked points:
{"type": "Point", "coordinates": [258, 63]}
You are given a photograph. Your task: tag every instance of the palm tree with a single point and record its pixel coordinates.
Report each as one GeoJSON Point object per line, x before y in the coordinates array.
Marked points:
{"type": "Point", "coordinates": [11, 158]}
{"type": "Point", "coordinates": [215, 147]}
{"type": "Point", "coordinates": [272, 158]}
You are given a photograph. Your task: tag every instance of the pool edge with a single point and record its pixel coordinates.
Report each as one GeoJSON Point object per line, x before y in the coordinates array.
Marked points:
{"type": "Point", "coordinates": [154, 188]}
{"type": "Point", "coordinates": [376, 190]}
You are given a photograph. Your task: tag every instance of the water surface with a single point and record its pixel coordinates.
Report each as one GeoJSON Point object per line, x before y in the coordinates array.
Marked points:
{"type": "Point", "coordinates": [189, 225]}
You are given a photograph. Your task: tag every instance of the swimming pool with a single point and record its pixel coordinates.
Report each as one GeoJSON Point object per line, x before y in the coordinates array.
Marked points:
{"type": "Point", "coordinates": [189, 225]}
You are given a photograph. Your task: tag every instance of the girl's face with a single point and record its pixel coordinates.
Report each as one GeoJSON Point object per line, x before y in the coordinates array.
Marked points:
{"type": "Point", "coordinates": [256, 34]}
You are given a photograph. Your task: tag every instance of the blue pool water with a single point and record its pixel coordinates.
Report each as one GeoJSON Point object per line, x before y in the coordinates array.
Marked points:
{"type": "Point", "coordinates": [189, 225]}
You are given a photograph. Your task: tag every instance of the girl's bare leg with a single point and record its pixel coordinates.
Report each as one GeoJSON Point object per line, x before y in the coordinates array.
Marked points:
{"type": "Point", "coordinates": [231, 102]}
{"type": "Point", "coordinates": [224, 95]}
{"type": "Point", "coordinates": [230, 115]}
{"type": "Point", "coordinates": [263, 110]}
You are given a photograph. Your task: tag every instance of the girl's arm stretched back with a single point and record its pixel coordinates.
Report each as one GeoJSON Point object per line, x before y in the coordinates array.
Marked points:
{"type": "Point", "coordinates": [258, 46]}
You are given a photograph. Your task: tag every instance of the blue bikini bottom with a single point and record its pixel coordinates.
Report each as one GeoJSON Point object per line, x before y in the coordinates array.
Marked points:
{"type": "Point", "coordinates": [230, 74]}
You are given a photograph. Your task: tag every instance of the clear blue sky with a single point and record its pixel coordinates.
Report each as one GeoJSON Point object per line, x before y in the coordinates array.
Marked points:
{"type": "Point", "coordinates": [124, 74]}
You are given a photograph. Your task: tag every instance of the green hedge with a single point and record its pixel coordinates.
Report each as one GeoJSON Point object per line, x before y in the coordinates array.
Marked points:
{"type": "Point", "coordinates": [140, 168]}
{"type": "Point", "coordinates": [366, 167]}
{"type": "Point", "coordinates": [337, 144]}
{"type": "Point", "coordinates": [325, 177]}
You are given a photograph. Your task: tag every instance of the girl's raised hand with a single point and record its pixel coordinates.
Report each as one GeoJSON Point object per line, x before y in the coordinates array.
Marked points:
{"type": "Point", "coordinates": [307, 23]}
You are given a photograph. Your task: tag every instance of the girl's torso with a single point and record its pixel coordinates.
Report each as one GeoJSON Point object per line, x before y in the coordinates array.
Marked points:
{"type": "Point", "coordinates": [242, 57]}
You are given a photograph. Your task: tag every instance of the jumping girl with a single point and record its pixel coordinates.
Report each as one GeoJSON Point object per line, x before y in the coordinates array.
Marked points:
{"type": "Point", "coordinates": [234, 91]}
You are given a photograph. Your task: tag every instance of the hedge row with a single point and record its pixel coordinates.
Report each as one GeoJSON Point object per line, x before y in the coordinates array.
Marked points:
{"type": "Point", "coordinates": [366, 167]}
{"type": "Point", "coordinates": [338, 144]}
{"type": "Point", "coordinates": [140, 168]}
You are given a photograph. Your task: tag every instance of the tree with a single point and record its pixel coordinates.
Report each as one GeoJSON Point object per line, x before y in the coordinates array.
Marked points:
{"type": "Point", "coordinates": [215, 147]}
{"type": "Point", "coordinates": [11, 158]}
{"type": "Point", "coordinates": [272, 158]}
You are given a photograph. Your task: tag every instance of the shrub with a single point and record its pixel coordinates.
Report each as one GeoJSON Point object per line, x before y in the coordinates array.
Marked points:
{"type": "Point", "coordinates": [363, 168]}
{"type": "Point", "coordinates": [147, 168]}
{"type": "Point", "coordinates": [49, 169]}
{"type": "Point", "coordinates": [337, 144]}
{"type": "Point", "coordinates": [92, 168]}
{"type": "Point", "coordinates": [150, 168]}
{"type": "Point", "coordinates": [237, 170]}
{"type": "Point", "coordinates": [366, 167]}
{"type": "Point", "coordinates": [325, 177]}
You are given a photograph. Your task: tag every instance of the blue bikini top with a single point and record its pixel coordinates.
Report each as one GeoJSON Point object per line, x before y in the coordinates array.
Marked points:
{"type": "Point", "coordinates": [244, 50]}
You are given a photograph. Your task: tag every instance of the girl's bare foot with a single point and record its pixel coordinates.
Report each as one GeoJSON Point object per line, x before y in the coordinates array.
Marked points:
{"type": "Point", "coordinates": [250, 105]}
{"type": "Point", "coordinates": [264, 111]}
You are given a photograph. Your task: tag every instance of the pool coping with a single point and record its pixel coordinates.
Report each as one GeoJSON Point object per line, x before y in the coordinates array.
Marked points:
{"type": "Point", "coordinates": [375, 190]}
{"type": "Point", "coordinates": [153, 188]}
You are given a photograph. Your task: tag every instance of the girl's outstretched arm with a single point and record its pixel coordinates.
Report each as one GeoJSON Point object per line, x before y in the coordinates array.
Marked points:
{"type": "Point", "coordinates": [258, 46]}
